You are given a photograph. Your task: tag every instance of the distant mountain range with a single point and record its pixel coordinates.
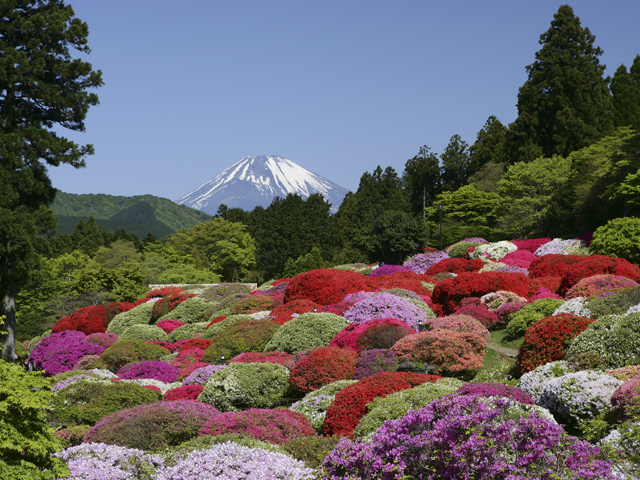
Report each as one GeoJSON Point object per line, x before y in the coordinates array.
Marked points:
{"type": "Point", "coordinates": [257, 181]}
{"type": "Point", "coordinates": [139, 214]}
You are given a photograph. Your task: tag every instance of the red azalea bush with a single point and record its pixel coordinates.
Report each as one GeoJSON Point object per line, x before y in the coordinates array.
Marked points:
{"type": "Point", "coordinates": [281, 358]}
{"type": "Point", "coordinates": [166, 304]}
{"type": "Point", "coordinates": [450, 292]}
{"type": "Point", "coordinates": [92, 319]}
{"type": "Point", "coordinates": [296, 306]}
{"type": "Point", "coordinates": [202, 343]}
{"type": "Point", "coordinates": [163, 292]}
{"type": "Point", "coordinates": [322, 367]}
{"type": "Point", "coordinates": [530, 245]}
{"type": "Point", "coordinates": [296, 357]}
{"type": "Point", "coordinates": [325, 286]}
{"type": "Point", "coordinates": [598, 284]}
{"type": "Point", "coordinates": [548, 340]}
{"type": "Point", "coordinates": [253, 304]}
{"type": "Point", "coordinates": [519, 258]}
{"type": "Point", "coordinates": [281, 280]}
{"type": "Point", "coordinates": [169, 325]}
{"type": "Point", "coordinates": [598, 265]}
{"type": "Point", "coordinates": [189, 369]}
{"type": "Point", "coordinates": [550, 283]}
{"type": "Point", "coordinates": [188, 357]}
{"type": "Point", "coordinates": [406, 280]}
{"type": "Point", "coordinates": [626, 397]}
{"type": "Point", "coordinates": [553, 265]}
{"type": "Point", "coordinates": [544, 293]}
{"type": "Point", "coordinates": [454, 354]}
{"type": "Point", "coordinates": [486, 317]}
{"type": "Point", "coordinates": [274, 426]}
{"type": "Point", "coordinates": [349, 405]}
{"type": "Point", "coordinates": [373, 334]}
{"type": "Point", "coordinates": [185, 392]}
{"type": "Point", "coordinates": [458, 323]}
{"type": "Point", "coordinates": [455, 265]}
{"type": "Point", "coordinates": [219, 319]}
{"type": "Point", "coordinates": [336, 308]}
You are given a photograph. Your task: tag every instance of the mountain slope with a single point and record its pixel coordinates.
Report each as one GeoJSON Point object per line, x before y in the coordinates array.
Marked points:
{"type": "Point", "coordinates": [257, 181]}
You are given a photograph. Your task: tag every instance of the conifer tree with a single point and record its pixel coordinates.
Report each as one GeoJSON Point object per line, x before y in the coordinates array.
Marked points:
{"type": "Point", "coordinates": [489, 146]}
{"type": "Point", "coordinates": [625, 87]}
{"type": "Point", "coordinates": [421, 180]}
{"type": "Point", "coordinates": [565, 103]}
{"type": "Point", "coordinates": [456, 164]}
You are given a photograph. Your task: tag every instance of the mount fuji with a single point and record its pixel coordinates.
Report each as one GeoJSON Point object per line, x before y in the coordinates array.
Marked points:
{"type": "Point", "coordinates": [257, 181]}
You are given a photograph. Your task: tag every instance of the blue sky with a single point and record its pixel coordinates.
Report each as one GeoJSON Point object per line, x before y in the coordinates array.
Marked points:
{"type": "Point", "coordinates": [338, 87]}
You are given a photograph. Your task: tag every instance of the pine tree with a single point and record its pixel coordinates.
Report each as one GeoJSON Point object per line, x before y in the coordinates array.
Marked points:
{"type": "Point", "coordinates": [421, 180]}
{"type": "Point", "coordinates": [565, 104]}
{"type": "Point", "coordinates": [456, 164]}
{"type": "Point", "coordinates": [489, 146]}
{"type": "Point", "coordinates": [625, 88]}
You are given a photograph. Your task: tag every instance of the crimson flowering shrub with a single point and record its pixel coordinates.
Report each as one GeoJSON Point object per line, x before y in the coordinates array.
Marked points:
{"type": "Point", "coordinates": [336, 308]}
{"type": "Point", "coordinates": [486, 317]}
{"type": "Point", "coordinates": [544, 293]}
{"type": "Point", "coordinates": [490, 389]}
{"type": "Point", "coordinates": [128, 351]}
{"type": "Point", "coordinates": [92, 319]}
{"type": "Point", "coordinates": [373, 334]}
{"type": "Point", "coordinates": [152, 427]}
{"type": "Point", "coordinates": [454, 354]}
{"type": "Point", "coordinates": [219, 319]}
{"type": "Point", "coordinates": [421, 262]}
{"type": "Point", "coordinates": [405, 280]}
{"type": "Point", "coordinates": [597, 265]}
{"type": "Point", "coordinates": [188, 356]}
{"type": "Point", "coordinates": [459, 323]}
{"type": "Point", "coordinates": [185, 392]}
{"type": "Point", "coordinates": [281, 358]}
{"type": "Point", "coordinates": [253, 304]}
{"type": "Point", "coordinates": [155, 369]}
{"type": "Point", "coordinates": [324, 286]}
{"type": "Point", "coordinates": [105, 340]}
{"type": "Point", "coordinates": [296, 357]}
{"type": "Point", "coordinates": [60, 351]}
{"type": "Point", "coordinates": [163, 292]}
{"type": "Point", "coordinates": [322, 367]}
{"type": "Point", "coordinates": [167, 345]}
{"type": "Point", "coordinates": [349, 405]}
{"type": "Point", "coordinates": [519, 258]}
{"type": "Point", "coordinates": [388, 270]}
{"type": "Point", "coordinates": [202, 343]}
{"type": "Point", "coordinates": [296, 306]}
{"type": "Point", "coordinates": [598, 284]}
{"type": "Point", "coordinates": [626, 398]}
{"type": "Point", "coordinates": [169, 325]}
{"type": "Point", "coordinates": [450, 292]}
{"type": "Point", "coordinates": [466, 437]}
{"type": "Point", "coordinates": [372, 362]}
{"type": "Point", "coordinates": [553, 265]}
{"type": "Point", "coordinates": [550, 283]}
{"type": "Point", "coordinates": [274, 426]}
{"type": "Point", "coordinates": [530, 245]}
{"type": "Point", "coordinates": [455, 265]}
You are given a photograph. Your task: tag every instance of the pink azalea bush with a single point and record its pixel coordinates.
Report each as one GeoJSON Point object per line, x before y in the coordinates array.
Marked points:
{"type": "Point", "coordinates": [105, 340]}
{"type": "Point", "coordinates": [495, 390]}
{"type": "Point", "coordinates": [154, 369]}
{"type": "Point", "coordinates": [459, 323]}
{"type": "Point", "coordinates": [60, 352]}
{"type": "Point", "coordinates": [169, 325]}
{"type": "Point", "coordinates": [275, 356]}
{"type": "Point", "coordinates": [626, 397]}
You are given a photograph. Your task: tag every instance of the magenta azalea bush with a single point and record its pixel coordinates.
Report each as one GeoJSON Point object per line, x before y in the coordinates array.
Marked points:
{"type": "Point", "coordinates": [154, 369]}
{"type": "Point", "coordinates": [386, 305]}
{"type": "Point", "coordinates": [389, 269]}
{"type": "Point", "coordinates": [495, 390]}
{"type": "Point", "coordinates": [105, 340]}
{"type": "Point", "coordinates": [60, 352]}
{"type": "Point", "coordinates": [467, 437]}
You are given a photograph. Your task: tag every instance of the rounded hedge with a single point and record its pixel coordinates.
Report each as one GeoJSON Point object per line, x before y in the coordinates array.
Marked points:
{"type": "Point", "coordinates": [60, 352]}
{"type": "Point", "coordinates": [246, 385]}
{"type": "Point", "coordinates": [372, 362]}
{"type": "Point", "coordinates": [140, 315]}
{"type": "Point", "coordinates": [533, 383]}
{"type": "Point", "coordinates": [458, 323]}
{"type": "Point", "coordinates": [187, 331]}
{"type": "Point", "coordinates": [324, 286]}
{"type": "Point", "coordinates": [322, 367]}
{"type": "Point", "coordinates": [241, 337]}
{"type": "Point", "coordinates": [616, 303]}
{"type": "Point", "coordinates": [154, 369]}
{"type": "Point", "coordinates": [192, 310]}
{"type": "Point", "coordinates": [307, 330]}
{"type": "Point", "coordinates": [144, 332]}
{"type": "Point", "coordinates": [152, 427]}
{"type": "Point", "coordinates": [213, 330]}
{"type": "Point", "coordinates": [599, 284]}
{"type": "Point", "coordinates": [373, 334]}
{"type": "Point", "coordinates": [314, 404]}
{"type": "Point", "coordinates": [128, 351]}
{"type": "Point", "coordinates": [521, 320]}
{"type": "Point", "coordinates": [386, 305]}
{"type": "Point", "coordinates": [253, 304]}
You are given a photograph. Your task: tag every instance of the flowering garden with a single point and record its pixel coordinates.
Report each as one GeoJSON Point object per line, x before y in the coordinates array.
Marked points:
{"type": "Point", "coordinates": [351, 372]}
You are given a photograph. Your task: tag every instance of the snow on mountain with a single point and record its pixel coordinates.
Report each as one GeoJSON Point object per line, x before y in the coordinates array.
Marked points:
{"type": "Point", "coordinates": [257, 181]}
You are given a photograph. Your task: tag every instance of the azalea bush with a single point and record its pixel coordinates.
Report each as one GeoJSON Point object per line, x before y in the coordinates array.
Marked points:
{"type": "Point", "coordinates": [534, 383]}
{"type": "Point", "coordinates": [494, 300]}
{"type": "Point", "coordinates": [185, 392]}
{"type": "Point", "coordinates": [244, 336]}
{"type": "Point", "coordinates": [494, 251]}
{"type": "Point", "coordinates": [460, 249]}
{"type": "Point", "coordinates": [372, 334]}
{"type": "Point", "coordinates": [140, 315]}
{"type": "Point", "coordinates": [144, 332]}
{"type": "Point", "coordinates": [386, 305]}
{"type": "Point", "coordinates": [455, 265]}
{"type": "Point", "coordinates": [280, 358]}
{"type": "Point", "coordinates": [388, 270]}
{"type": "Point", "coordinates": [458, 323]}
{"type": "Point", "coordinates": [188, 331]}
{"type": "Point", "coordinates": [521, 320]}
{"type": "Point", "coordinates": [155, 369]}
{"type": "Point", "coordinates": [575, 306]}
{"type": "Point", "coordinates": [128, 351]}
{"type": "Point", "coordinates": [192, 310]}
{"type": "Point", "coordinates": [254, 303]}
{"type": "Point", "coordinates": [626, 398]}
{"type": "Point", "coordinates": [169, 325]}
{"type": "Point", "coordinates": [598, 265]}
{"type": "Point", "coordinates": [519, 258]}
{"type": "Point", "coordinates": [308, 330]}
{"type": "Point", "coordinates": [314, 404]}
{"type": "Point", "coordinates": [324, 286]}
{"type": "Point", "coordinates": [598, 284]}
{"type": "Point", "coordinates": [481, 314]}
{"type": "Point", "coordinates": [616, 303]}
{"type": "Point", "coordinates": [165, 304]}
{"type": "Point", "coordinates": [489, 389]}
{"type": "Point", "coordinates": [421, 262]}
{"type": "Point", "coordinates": [372, 362]}
{"type": "Point", "coordinates": [59, 352]}
{"type": "Point", "coordinates": [322, 367]}
{"type": "Point", "coordinates": [201, 375]}
{"type": "Point", "coordinates": [105, 340]}
{"type": "Point", "coordinates": [92, 319]}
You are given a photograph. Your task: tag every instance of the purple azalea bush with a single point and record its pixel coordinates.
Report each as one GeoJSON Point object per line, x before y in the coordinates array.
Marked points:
{"type": "Point", "coordinates": [386, 305]}
{"type": "Point", "coordinates": [421, 262]}
{"type": "Point", "coordinates": [466, 437]}
{"type": "Point", "coordinates": [495, 390]}
{"type": "Point", "coordinates": [60, 352]}
{"type": "Point", "coordinates": [389, 269]}
{"type": "Point", "coordinates": [200, 375]}
{"type": "Point", "coordinates": [153, 369]}
{"type": "Point", "coordinates": [377, 360]}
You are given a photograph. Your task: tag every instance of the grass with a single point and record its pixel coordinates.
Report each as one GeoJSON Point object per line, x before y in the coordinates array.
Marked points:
{"type": "Point", "coordinates": [494, 359]}
{"type": "Point", "coordinates": [501, 339]}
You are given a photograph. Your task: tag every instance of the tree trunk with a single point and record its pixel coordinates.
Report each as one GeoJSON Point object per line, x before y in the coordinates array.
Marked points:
{"type": "Point", "coordinates": [8, 337]}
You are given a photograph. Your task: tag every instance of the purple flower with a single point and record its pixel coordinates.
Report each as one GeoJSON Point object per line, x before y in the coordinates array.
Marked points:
{"type": "Point", "coordinates": [202, 374]}
{"type": "Point", "coordinates": [495, 390]}
{"type": "Point", "coordinates": [375, 361]}
{"type": "Point", "coordinates": [61, 351]}
{"type": "Point", "coordinates": [386, 305]}
{"type": "Point", "coordinates": [154, 369]}
{"type": "Point", "coordinates": [421, 262]}
{"type": "Point", "coordinates": [389, 269]}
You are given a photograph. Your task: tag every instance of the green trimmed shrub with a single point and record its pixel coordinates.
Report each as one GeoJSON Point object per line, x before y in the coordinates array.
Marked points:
{"type": "Point", "coordinates": [243, 336]}
{"type": "Point", "coordinates": [239, 386]}
{"type": "Point", "coordinates": [308, 330]}
{"type": "Point", "coordinates": [253, 304]}
{"type": "Point", "coordinates": [72, 436]}
{"type": "Point", "coordinates": [459, 250]}
{"type": "Point", "coordinates": [614, 338]}
{"type": "Point", "coordinates": [36, 340]}
{"type": "Point", "coordinates": [521, 320]}
{"type": "Point", "coordinates": [620, 238]}
{"type": "Point", "coordinates": [221, 292]}
{"type": "Point", "coordinates": [615, 304]}
{"type": "Point", "coordinates": [310, 449]}
{"type": "Point", "coordinates": [192, 310]}
{"type": "Point", "coordinates": [140, 315]}
{"type": "Point", "coordinates": [314, 404]}
{"type": "Point", "coordinates": [216, 328]}
{"type": "Point", "coordinates": [185, 332]}
{"type": "Point", "coordinates": [397, 404]}
{"type": "Point", "coordinates": [127, 351]}
{"type": "Point", "coordinates": [86, 401]}
{"type": "Point", "coordinates": [144, 332]}
{"type": "Point", "coordinates": [59, 377]}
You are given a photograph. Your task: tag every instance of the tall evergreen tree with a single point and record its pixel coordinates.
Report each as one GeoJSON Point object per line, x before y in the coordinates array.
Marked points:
{"type": "Point", "coordinates": [625, 88]}
{"type": "Point", "coordinates": [421, 180]}
{"type": "Point", "coordinates": [565, 103]}
{"type": "Point", "coordinates": [88, 237]}
{"type": "Point", "coordinates": [41, 87]}
{"type": "Point", "coordinates": [456, 164]}
{"type": "Point", "coordinates": [489, 146]}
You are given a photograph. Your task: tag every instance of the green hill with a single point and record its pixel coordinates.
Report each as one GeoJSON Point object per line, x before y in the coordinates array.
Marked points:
{"type": "Point", "coordinates": [139, 214]}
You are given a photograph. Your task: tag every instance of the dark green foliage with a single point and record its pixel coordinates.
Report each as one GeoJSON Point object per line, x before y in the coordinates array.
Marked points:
{"type": "Point", "coordinates": [488, 177]}
{"type": "Point", "coordinates": [27, 440]}
{"type": "Point", "coordinates": [244, 336]}
{"type": "Point", "coordinates": [421, 180]}
{"type": "Point", "coordinates": [310, 449]}
{"type": "Point", "coordinates": [565, 104]}
{"type": "Point", "coordinates": [625, 88]}
{"type": "Point", "coordinates": [456, 164]}
{"type": "Point", "coordinates": [489, 146]}
{"type": "Point", "coordinates": [85, 402]}
{"type": "Point", "coordinates": [127, 351]}
{"type": "Point", "coordinates": [615, 304]}
{"type": "Point", "coordinates": [88, 237]}
{"type": "Point", "coordinates": [393, 237]}
{"type": "Point", "coordinates": [311, 261]}
{"type": "Point", "coordinates": [30, 325]}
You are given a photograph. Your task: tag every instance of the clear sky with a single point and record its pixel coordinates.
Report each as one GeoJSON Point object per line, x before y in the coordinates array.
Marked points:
{"type": "Point", "coordinates": [338, 87]}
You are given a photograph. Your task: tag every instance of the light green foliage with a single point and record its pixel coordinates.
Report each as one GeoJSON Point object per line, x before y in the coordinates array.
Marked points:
{"type": "Point", "coordinates": [526, 192]}
{"type": "Point", "coordinates": [190, 330]}
{"type": "Point", "coordinates": [192, 310]}
{"type": "Point", "coordinates": [119, 253]}
{"type": "Point", "coordinates": [26, 439]}
{"type": "Point", "coordinates": [459, 250]}
{"type": "Point", "coordinates": [620, 237]}
{"type": "Point", "coordinates": [615, 338]}
{"type": "Point", "coordinates": [35, 341]}
{"type": "Point", "coordinates": [615, 304]}
{"type": "Point", "coordinates": [314, 404]}
{"type": "Point", "coordinates": [397, 404]}
{"type": "Point", "coordinates": [140, 315]}
{"type": "Point", "coordinates": [521, 320]}
{"type": "Point", "coordinates": [144, 332]}
{"type": "Point", "coordinates": [246, 385]}
{"type": "Point", "coordinates": [181, 273]}
{"type": "Point", "coordinates": [311, 261]}
{"type": "Point", "coordinates": [86, 401]}
{"type": "Point", "coordinates": [216, 328]}
{"type": "Point", "coordinates": [498, 374]}
{"type": "Point", "coordinates": [308, 330]}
